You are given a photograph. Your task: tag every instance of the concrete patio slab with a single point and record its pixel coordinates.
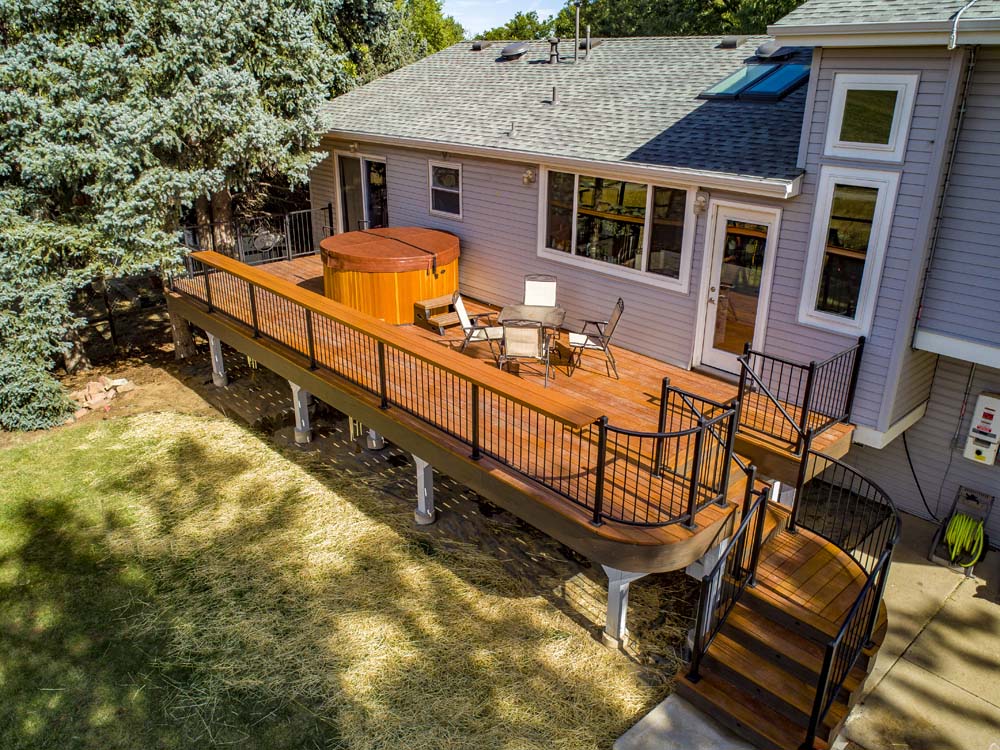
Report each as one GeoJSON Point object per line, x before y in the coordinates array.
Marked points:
{"type": "Point", "coordinates": [677, 725]}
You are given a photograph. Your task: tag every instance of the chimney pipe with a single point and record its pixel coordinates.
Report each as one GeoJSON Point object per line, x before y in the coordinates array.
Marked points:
{"type": "Point", "coordinates": [555, 96]}
{"type": "Point", "coordinates": [576, 39]}
{"type": "Point", "coordinates": [554, 50]}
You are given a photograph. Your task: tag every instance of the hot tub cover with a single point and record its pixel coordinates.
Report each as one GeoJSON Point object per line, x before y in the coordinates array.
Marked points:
{"type": "Point", "coordinates": [390, 250]}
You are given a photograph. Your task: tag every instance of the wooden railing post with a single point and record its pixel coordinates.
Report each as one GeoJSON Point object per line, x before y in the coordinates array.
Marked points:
{"type": "Point", "coordinates": [383, 387]}
{"type": "Point", "coordinates": [661, 427]}
{"type": "Point", "coordinates": [801, 481]}
{"type": "Point", "coordinates": [695, 482]}
{"type": "Point", "coordinates": [254, 321]}
{"type": "Point", "coordinates": [806, 403]}
{"type": "Point", "coordinates": [475, 422]}
{"type": "Point", "coordinates": [602, 450]}
{"type": "Point", "coordinates": [855, 372]}
{"type": "Point", "coordinates": [310, 341]}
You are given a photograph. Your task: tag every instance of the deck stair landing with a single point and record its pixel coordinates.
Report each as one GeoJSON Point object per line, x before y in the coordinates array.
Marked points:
{"type": "Point", "coordinates": [759, 675]}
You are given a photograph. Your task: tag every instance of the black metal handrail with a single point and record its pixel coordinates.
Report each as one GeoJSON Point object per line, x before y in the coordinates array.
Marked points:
{"type": "Point", "coordinates": [623, 475]}
{"type": "Point", "coordinates": [784, 400]}
{"type": "Point", "coordinates": [735, 570]}
{"type": "Point", "coordinates": [837, 503]}
{"type": "Point", "coordinates": [280, 237]}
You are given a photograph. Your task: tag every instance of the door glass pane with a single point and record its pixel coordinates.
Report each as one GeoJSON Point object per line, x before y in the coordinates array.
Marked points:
{"type": "Point", "coordinates": [667, 232]}
{"type": "Point", "coordinates": [559, 223]}
{"type": "Point", "coordinates": [609, 221]}
{"type": "Point", "coordinates": [868, 116]}
{"type": "Point", "coordinates": [739, 285]}
{"type": "Point", "coordinates": [352, 193]}
{"type": "Point", "coordinates": [850, 229]}
{"type": "Point", "coordinates": [378, 195]}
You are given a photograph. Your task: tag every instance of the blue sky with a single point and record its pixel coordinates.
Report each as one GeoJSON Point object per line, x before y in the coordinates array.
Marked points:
{"type": "Point", "coordinates": [480, 15]}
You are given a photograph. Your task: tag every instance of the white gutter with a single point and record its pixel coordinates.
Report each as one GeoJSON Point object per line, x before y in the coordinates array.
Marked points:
{"type": "Point", "coordinates": [886, 34]}
{"type": "Point", "coordinates": [761, 186]}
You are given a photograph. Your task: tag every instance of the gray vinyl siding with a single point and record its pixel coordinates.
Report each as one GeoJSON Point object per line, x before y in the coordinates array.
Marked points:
{"type": "Point", "coordinates": [321, 193]}
{"type": "Point", "coordinates": [887, 360]}
{"type": "Point", "coordinates": [939, 468]}
{"type": "Point", "coordinates": [960, 299]}
{"type": "Point", "coordinates": [499, 235]}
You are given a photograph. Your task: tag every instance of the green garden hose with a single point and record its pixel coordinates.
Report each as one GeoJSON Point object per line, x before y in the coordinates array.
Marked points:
{"type": "Point", "coordinates": [964, 535]}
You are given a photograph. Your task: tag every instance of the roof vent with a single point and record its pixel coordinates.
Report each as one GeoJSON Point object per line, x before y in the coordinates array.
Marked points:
{"type": "Point", "coordinates": [554, 49]}
{"type": "Point", "coordinates": [773, 51]}
{"type": "Point", "coordinates": [514, 50]}
{"type": "Point", "coordinates": [479, 45]}
{"type": "Point", "coordinates": [729, 42]}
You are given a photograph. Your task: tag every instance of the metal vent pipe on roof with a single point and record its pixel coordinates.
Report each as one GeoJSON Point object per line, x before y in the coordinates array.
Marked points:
{"type": "Point", "coordinates": [554, 50]}
{"type": "Point", "coordinates": [586, 52]}
{"type": "Point", "coordinates": [576, 39]}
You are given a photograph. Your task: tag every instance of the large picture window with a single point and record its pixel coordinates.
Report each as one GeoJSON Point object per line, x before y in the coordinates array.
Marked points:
{"type": "Point", "coordinates": [870, 115]}
{"type": "Point", "coordinates": [850, 232]}
{"type": "Point", "coordinates": [632, 227]}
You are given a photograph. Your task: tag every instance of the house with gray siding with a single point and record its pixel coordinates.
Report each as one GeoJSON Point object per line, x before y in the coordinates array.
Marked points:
{"type": "Point", "coordinates": [868, 194]}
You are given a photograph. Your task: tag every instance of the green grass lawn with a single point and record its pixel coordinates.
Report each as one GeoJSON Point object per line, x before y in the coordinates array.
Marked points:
{"type": "Point", "coordinates": [171, 581]}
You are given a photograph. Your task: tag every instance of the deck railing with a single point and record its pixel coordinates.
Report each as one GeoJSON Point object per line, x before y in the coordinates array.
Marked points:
{"type": "Point", "coordinates": [267, 239]}
{"type": "Point", "coordinates": [736, 569]}
{"type": "Point", "coordinates": [857, 516]}
{"type": "Point", "coordinates": [643, 478]}
{"type": "Point", "coordinates": [784, 400]}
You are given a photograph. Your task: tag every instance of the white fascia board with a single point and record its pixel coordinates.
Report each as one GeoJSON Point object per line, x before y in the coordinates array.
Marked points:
{"type": "Point", "coordinates": [956, 348]}
{"type": "Point", "coordinates": [879, 439]}
{"type": "Point", "coordinates": [760, 186]}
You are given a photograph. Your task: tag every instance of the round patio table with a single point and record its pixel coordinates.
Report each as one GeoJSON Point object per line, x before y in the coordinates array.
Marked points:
{"type": "Point", "coordinates": [550, 317]}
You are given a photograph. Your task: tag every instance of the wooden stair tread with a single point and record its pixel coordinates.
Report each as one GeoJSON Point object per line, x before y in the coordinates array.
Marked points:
{"type": "Point", "coordinates": [430, 304]}
{"type": "Point", "coordinates": [744, 713]}
{"type": "Point", "coordinates": [444, 319]}
{"type": "Point", "coordinates": [808, 654]}
{"type": "Point", "coordinates": [824, 629]}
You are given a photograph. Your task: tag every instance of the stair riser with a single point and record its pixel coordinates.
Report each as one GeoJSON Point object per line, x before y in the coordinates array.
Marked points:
{"type": "Point", "coordinates": [768, 610]}
{"type": "Point", "coordinates": [774, 700]}
{"type": "Point", "coordinates": [724, 718]}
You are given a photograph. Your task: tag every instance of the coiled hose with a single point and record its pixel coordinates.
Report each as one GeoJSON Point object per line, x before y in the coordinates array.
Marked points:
{"type": "Point", "coordinates": [964, 535]}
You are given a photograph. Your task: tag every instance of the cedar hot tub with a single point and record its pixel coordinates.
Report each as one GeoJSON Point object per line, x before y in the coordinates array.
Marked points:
{"type": "Point", "coordinates": [383, 272]}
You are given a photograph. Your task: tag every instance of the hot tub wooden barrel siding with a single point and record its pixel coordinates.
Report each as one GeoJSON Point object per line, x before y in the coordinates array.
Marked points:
{"type": "Point", "coordinates": [383, 272]}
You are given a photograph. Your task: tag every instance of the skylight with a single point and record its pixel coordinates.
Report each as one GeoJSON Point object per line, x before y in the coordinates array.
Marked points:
{"type": "Point", "coordinates": [736, 82]}
{"type": "Point", "coordinates": [766, 82]}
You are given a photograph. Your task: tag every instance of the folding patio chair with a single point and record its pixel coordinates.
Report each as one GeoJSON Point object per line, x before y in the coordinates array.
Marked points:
{"type": "Point", "coordinates": [475, 331]}
{"type": "Point", "coordinates": [540, 290]}
{"type": "Point", "coordinates": [595, 336]}
{"type": "Point", "coordinates": [525, 339]}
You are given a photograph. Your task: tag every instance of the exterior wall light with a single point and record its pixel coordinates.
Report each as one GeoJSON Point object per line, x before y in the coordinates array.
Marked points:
{"type": "Point", "coordinates": [528, 178]}
{"type": "Point", "coordinates": [701, 201]}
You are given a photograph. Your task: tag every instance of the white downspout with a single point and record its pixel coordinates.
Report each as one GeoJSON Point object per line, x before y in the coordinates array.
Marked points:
{"type": "Point", "coordinates": [953, 39]}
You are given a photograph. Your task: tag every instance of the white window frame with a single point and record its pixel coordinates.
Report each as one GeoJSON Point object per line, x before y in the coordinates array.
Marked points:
{"type": "Point", "coordinates": [431, 188]}
{"type": "Point", "coordinates": [905, 85]}
{"type": "Point", "coordinates": [644, 276]}
{"type": "Point", "coordinates": [887, 184]}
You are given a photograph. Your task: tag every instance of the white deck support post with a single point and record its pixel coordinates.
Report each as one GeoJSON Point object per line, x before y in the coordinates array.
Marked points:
{"type": "Point", "coordinates": [219, 377]}
{"type": "Point", "coordinates": [424, 514]}
{"type": "Point", "coordinates": [618, 584]}
{"type": "Point", "coordinates": [300, 402]}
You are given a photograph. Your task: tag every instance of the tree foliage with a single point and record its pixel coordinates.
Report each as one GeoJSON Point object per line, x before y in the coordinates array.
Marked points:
{"type": "Point", "coordinates": [523, 26]}
{"type": "Point", "coordinates": [116, 115]}
{"type": "Point", "coordinates": [427, 21]}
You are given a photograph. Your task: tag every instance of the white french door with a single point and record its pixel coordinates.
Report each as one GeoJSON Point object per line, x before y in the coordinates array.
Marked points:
{"type": "Point", "coordinates": [363, 192]}
{"type": "Point", "coordinates": [739, 256]}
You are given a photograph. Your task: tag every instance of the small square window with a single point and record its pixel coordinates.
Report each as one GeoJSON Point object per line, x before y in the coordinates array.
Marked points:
{"type": "Point", "coordinates": [870, 116]}
{"type": "Point", "coordinates": [445, 189]}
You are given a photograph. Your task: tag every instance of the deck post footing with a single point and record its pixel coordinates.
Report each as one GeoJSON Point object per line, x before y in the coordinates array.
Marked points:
{"type": "Point", "coordinates": [219, 377]}
{"type": "Point", "coordinates": [300, 403]}
{"type": "Point", "coordinates": [618, 585]}
{"type": "Point", "coordinates": [424, 514]}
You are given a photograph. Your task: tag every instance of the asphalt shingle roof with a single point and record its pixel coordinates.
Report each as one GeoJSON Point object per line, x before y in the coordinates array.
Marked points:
{"type": "Point", "coordinates": [816, 12]}
{"type": "Point", "coordinates": [634, 101]}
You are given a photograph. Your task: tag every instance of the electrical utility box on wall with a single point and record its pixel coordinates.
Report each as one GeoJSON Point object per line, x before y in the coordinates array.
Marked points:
{"type": "Point", "coordinates": [984, 434]}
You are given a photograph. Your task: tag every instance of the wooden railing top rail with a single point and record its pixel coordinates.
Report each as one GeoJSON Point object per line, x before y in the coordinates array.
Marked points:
{"type": "Point", "coordinates": [553, 405]}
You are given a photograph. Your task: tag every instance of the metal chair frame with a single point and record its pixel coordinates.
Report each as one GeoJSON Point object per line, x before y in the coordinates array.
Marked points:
{"type": "Point", "coordinates": [544, 347]}
{"type": "Point", "coordinates": [597, 337]}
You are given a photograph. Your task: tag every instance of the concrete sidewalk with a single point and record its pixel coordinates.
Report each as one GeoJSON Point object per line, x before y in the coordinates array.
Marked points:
{"type": "Point", "coordinates": [935, 684]}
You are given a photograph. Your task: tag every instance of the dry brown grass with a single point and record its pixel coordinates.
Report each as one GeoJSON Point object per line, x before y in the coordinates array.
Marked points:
{"type": "Point", "coordinates": [271, 583]}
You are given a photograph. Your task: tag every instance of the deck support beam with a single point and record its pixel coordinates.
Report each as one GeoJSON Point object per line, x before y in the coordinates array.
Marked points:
{"type": "Point", "coordinates": [300, 403]}
{"type": "Point", "coordinates": [618, 585]}
{"type": "Point", "coordinates": [219, 377]}
{"type": "Point", "coordinates": [424, 514]}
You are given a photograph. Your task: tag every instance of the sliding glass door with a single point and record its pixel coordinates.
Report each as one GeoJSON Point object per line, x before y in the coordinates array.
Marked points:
{"type": "Point", "coordinates": [364, 199]}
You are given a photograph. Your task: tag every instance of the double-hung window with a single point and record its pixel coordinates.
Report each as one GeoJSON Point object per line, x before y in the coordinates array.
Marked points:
{"type": "Point", "coordinates": [445, 189]}
{"type": "Point", "coordinates": [850, 232]}
{"type": "Point", "coordinates": [618, 226]}
{"type": "Point", "coordinates": [870, 116]}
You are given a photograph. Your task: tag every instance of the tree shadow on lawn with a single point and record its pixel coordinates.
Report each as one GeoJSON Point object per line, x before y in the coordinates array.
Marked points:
{"type": "Point", "coordinates": [198, 615]}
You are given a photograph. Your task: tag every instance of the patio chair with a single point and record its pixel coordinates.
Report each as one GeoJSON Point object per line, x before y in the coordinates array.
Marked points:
{"type": "Point", "coordinates": [595, 336]}
{"type": "Point", "coordinates": [540, 290]}
{"type": "Point", "coordinates": [475, 331]}
{"type": "Point", "coordinates": [525, 339]}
